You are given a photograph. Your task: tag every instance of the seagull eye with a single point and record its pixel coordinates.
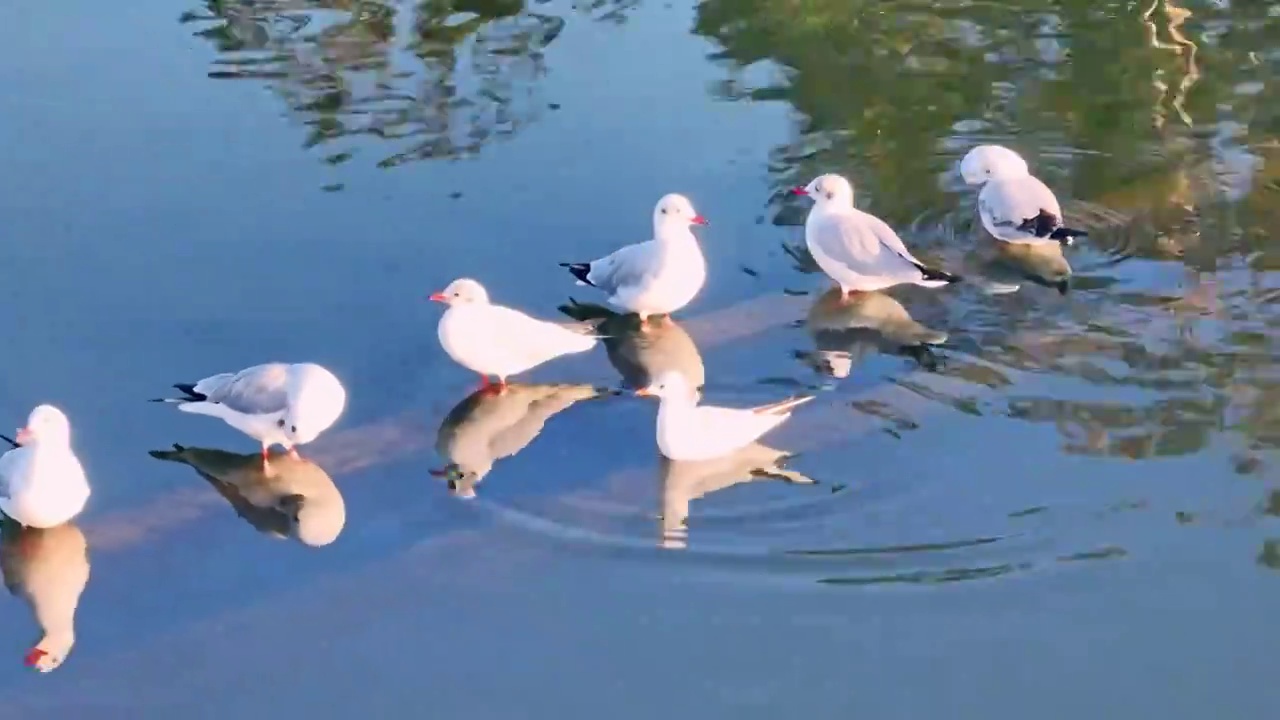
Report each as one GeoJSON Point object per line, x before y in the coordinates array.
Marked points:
{"type": "Point", "coordinates": [293, 428]}
{"type": "Point", "coordinates": [280, 423]}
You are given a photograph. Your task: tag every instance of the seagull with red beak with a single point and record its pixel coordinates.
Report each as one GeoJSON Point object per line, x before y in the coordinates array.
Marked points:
{"type": "Point", "coordinates": [42, 483]}
{"type": "Point", "coordinates": [655, 277]}
{"type": "Point", "coordinates": [497, 341]}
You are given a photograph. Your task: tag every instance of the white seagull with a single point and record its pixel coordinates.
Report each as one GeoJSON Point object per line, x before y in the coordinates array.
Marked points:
{"type": "Point", "coordinates": [688, 431]}
{"type": "Point", "coordinates": [42, 483]}
{"type": "Point", "coordinates": [857, 249]}
{"type": "Point", "coordinates": [495, 340]}
{"type": "Point", "coordinates": [655, 277]}
{"type": "Point", "coordinates": [1015, 205]}
{"type": "Point", "coordinates": [274, 403]}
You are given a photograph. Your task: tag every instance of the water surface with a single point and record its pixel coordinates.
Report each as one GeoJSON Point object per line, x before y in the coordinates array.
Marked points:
{"type": "Point", "coordinates": [1067, 509]}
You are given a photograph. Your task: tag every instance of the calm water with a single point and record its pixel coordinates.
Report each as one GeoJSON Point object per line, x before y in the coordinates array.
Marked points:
{"type": "Point", "coordinates": [1067, 510]}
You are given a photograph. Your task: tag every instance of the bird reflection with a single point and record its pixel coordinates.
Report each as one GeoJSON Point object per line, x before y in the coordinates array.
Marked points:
{"type": "Point", "coordinates": [847, 329]}
{"type": "Point", "coordinates": [639, 356]}
{"type": "Point", "coordinates": [1006, 265]}
{"type": "Point", "coordinates": [684, 481]}
{"type": "Point", "coordinates": [294, 497]}
{"type": "Point", "coordinates": [489, 425]}
{"type": "Point", "coordinates": [48, 569]}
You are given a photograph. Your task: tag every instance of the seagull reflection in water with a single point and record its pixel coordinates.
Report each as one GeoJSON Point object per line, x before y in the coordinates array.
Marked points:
{"type": "Point", "coordinates": [1002, 267]}
{"type": "Point", "coordinates": [48, 569]}
{"type": "Point", "coordinates": [489, 425]}
{"type": "Point", "coordinates": [846, 329]}
{"type": "Point", "coordinates": [640, 355]}
{"type": "Point", "coordinates": [294, 497]}
{"type": "Point", "coordinates": [683, 481]}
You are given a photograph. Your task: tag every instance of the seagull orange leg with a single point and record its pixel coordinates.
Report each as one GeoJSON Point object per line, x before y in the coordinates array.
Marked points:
{"type": "Point", "coordinates": [264, 458]}
{"type": "Point", "coordinates": [293, 453]}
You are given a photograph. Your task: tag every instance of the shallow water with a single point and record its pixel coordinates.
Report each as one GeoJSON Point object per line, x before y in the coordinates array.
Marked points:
{"type": "Point", "coordinates": [1067, 509]}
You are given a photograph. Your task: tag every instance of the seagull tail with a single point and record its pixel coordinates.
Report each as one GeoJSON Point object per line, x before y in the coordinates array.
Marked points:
{"type": "Point", "coordinates": [1066, 235]}
{"type": "Point", "coordinates": [187, 389]}
{"type": "Point", "coordinates": [589, 328]}
{"type": "Point", "coordinates": [174, 455]}
{"type": "Point", "coordinates": [1042, 225]}
{"type": "Point", "coordinates": [782, 407]}
{"type": "Point", "coordinates": [938, 276]}
{"type": "Point", "coordinates": [580, 271]}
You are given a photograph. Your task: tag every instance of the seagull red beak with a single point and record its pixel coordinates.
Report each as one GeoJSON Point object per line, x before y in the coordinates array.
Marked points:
{"type": "Point", "coordinates": [33, 657]}
{"type": "Point", "coordinates": [799, 190]}
{"type": "Point", "coordinates": [699, 220]}
{"type": "Point", "coordinates": [23, 436]}
{"type": "Point", "coordinates": [437, 297]}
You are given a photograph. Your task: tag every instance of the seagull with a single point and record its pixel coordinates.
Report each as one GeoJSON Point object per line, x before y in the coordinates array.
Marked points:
{"type": "Point", "coordinates": [296, 499]}
{"type": "Point", "coordinates": [42, 483]}
{"type": "Point", "coordinates": [49, 569]}
{"type": "Point", "coordinates": [1015, 205]}
{"type": "Point", "coordinates": [655, 277]}
{"type": "Point", "coordinates": [486, 427]}
{"type": "Point", "coordinates": [856, 249]}
{"type": "Point", "coordinates": [495, 340]}
{"type": "Point", "coordinates": [274, 403]}
{"type": "Point", "coordinates": [687, 431]}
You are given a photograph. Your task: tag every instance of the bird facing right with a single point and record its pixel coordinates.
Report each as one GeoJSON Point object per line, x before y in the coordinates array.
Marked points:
{"type": "Point", "coordinates": [655, 277]}
{"type": "Point", "coordinates": [1015, 206]}
{"type": "Point", "coordinates": [688, 431]}
{"type": "Point", "coordinates": [273, 403]}
{"type": "Point", "coordinates": [856, 249]}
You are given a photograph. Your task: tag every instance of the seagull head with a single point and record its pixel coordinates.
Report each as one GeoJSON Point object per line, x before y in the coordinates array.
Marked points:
{"type": "Point", "coordinates": [828, 189]}
{"type": "Point", "coordinates": [669, 385]}
{"type": "Point", "coordinates": [46, 424]}
{"type": "Point", "coordinates": [461, 292]}
{"type": "Point", "coordinates": [316, 400]}
{"type": "Point", "coordinates": [675, 210]}
{"type": "Point", "coordinates": [988, 162]}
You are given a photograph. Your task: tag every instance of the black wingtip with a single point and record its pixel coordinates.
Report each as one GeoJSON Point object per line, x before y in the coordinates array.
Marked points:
{"type": "Point", "coordinates": [1042, 225]}
{"type": "Point", "coordinates": [940, 275]}
{"type": "Point", "coordinates": [10, 440]}
{"type": "Point", "coordinates": [189, 390]}
{"type": "Point", "coordinates": [1066, 235]}
{"type": "Point", "coordinates": [580, 271]}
